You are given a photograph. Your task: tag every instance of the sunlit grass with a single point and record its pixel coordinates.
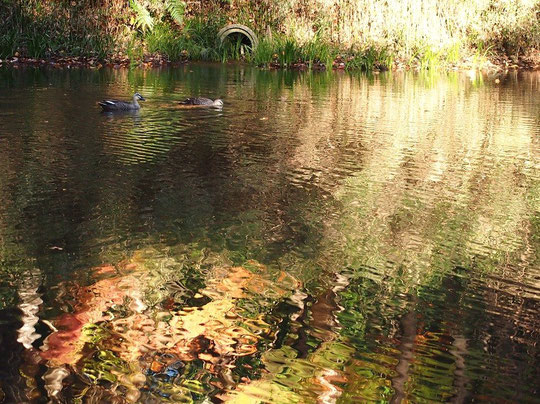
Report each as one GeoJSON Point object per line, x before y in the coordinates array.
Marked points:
{"type": "Point", "coordinates": [433, 25]}
{"type": "Point", "coordinates": [426, 34]}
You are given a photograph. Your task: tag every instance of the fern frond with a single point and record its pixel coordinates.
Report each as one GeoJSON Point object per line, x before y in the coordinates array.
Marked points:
{"type": "Point", "coordinates": [143, 19]}
{"type": "Point", "coordinates": [177, 9]}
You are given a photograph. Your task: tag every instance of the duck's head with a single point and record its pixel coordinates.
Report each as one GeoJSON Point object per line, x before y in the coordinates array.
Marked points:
{"type": "Point", "coordinates": [137, 96]}
{"type": "Point", "coordinates": [218, 103]}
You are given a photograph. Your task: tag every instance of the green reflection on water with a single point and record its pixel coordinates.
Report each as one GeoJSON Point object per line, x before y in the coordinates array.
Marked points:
{"type": "Point", "coordinates": [323, 237]}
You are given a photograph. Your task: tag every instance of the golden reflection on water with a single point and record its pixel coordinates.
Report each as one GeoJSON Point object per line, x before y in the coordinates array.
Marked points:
{"type": "Point", "coordinates": [430, 157]}
{"type": "Point", "coordinates": [323, 239]}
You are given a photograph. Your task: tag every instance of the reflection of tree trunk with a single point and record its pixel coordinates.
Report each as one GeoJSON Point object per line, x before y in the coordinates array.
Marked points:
{"type": "Point", "coordinates": [30, 300]}
{"type": "Point", "coordinates": [408, 324]}
{"type": "Point", "coordinates": [325, 327]}
{"type": "Point", "coordinates": [301, 343]}
{"type": "Point", "coordinates": [324, 323]}
{"type": "Point", "coordinates": [29, 304]}
{"type": "Point", "coordinates": [19, 365]}
{"type": "Point", "coordinates": [459, 350]}
{"type": "Point", "coordinates": [53, 379]}
{"type": "Point", "coordinates": [322, 312]}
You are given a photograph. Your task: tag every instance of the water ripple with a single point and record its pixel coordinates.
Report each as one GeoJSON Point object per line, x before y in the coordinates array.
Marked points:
{"type": "Point", "coordinates": [322, 238]}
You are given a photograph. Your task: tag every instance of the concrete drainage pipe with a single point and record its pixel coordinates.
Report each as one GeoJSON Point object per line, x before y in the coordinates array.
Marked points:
{"type": "Point", "coordinates": [239, 29]}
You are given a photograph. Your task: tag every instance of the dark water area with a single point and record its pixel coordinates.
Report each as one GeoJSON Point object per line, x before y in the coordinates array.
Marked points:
{"type": "Point", "coordinates": [323, 238]}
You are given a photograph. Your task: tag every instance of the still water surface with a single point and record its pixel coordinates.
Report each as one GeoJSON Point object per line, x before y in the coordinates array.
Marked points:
{"type": "Point", "coordinates": [324, 238]}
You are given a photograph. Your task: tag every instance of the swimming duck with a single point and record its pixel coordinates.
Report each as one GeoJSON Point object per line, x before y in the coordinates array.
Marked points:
{"type": "Point", "coordinates": [115, 105]}
{"type": "Point", "coordinates": [203, 102]}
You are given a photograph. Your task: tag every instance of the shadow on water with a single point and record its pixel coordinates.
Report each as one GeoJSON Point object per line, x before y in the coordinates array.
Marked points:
{"type": "Point", "coordinates": [324, 237]}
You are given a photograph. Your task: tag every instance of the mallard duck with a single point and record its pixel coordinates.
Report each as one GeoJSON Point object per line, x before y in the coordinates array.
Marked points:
{"type": "Point", "coordinates": [115, 105]}
{"type": "Point", "coordinates": [203, 102]}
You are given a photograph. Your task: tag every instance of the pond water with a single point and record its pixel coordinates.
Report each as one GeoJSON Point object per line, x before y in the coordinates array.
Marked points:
{"type": "Point", "coordinates": [324, 238]}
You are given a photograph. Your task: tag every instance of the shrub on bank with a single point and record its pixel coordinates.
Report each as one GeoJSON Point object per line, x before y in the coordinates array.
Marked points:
{"type": "Point", "coordinates": [356, 34]}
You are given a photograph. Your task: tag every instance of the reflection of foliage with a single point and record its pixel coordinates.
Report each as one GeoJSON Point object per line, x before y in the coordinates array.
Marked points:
{"type": "Point", "coordinates": [114, 336]}
{"type": "Point", "coordinates": [401, 207]}
{"type": "Point", "coordinates": [370, 382]}
{"type": "Point", "coordinates": [10, 272]}
{"type": "Point", "coordinates": [352, 318]}
{"type": "Point", "coordinates": [103, 366]}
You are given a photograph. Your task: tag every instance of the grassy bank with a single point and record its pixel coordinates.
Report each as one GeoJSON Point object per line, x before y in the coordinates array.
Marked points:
{"type": "Point", "coordinates": [352, 34]}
